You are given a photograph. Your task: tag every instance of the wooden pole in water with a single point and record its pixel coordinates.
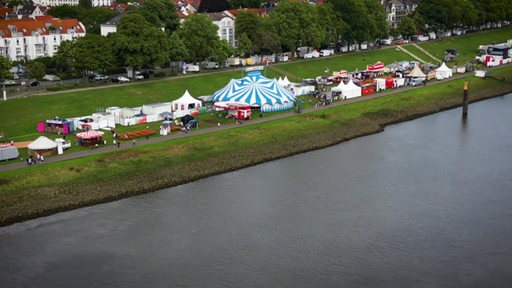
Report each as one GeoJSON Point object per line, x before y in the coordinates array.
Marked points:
{"type": "Point", "coordinates": [465, 100]}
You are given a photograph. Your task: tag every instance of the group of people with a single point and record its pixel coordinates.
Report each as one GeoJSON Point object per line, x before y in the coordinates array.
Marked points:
{"type": "Point", "coordinates": [39, 159]}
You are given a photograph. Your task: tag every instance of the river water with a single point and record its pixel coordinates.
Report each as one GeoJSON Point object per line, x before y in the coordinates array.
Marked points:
{"type": "Point", "coordinates": [426, 203]}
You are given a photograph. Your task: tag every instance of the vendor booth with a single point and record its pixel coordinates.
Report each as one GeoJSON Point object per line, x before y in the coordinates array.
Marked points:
{"type": "Point", "coordinates": [56, 125]}
{"type": "Point", "coordinates": [8, 151]}
{"type": "Point", "coordinates": [42, 145]}
{"type": "Point", "coordinates": [90, 138]}
{"type": "Point", "coordinates": [238, 111]}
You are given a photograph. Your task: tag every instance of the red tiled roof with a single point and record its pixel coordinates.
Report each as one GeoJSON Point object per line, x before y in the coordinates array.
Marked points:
{"type": "Point", "coordinates": [28, 25]}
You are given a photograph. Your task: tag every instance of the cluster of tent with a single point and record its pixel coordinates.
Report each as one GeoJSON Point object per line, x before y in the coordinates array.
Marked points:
{"type": "Point", "coordinates": [257, 91]}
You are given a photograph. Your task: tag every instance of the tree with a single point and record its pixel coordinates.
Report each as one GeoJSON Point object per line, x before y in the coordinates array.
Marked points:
{"type": "Point", "coordinates": [93, 53]}
{"type": "Point", "coordinates": [235, 4]}
{"type": "Point", "coordinates": [468, 14]}
{"type": "Point", "coordinates": [407, 26]}
{"type": "Point", "coordinates": [267, 41]}
{"type": "Point", "coordinates": [177, 49]}
{"type": "Point", "coordinates": [378, 24]}
{"type": "Point", "coordinates": [5, 66]}
{"type": "Point", "coordinates": [138, 44]}
{"type": "Point", "coordinates": [66, 11]}
{"type": "Point", "coordinates": [86, 4]}
{"type": "Point", "coordinates": [244, 45]}
{"type": "Point", "coordinates": [330, 23]}
{"type": "Point", "coordinates": [36, 70]}
{"type": "Point", "coordinates": [210, 6]}
{"type": "Point", "coordinates": [92, 18]}
{"type": "Point", "coordinates": [64, 58]}
{"type": "Point", "coordinates": [356, 15]}
{"type": "Point", "coordinates": [297, 24]}
{"type": "Point", "coordinates": [247, 22]}
{"type": "Point", "coordinates": [160, 14]}
{"type": "Point", "coordinates": [438, 14]}
{"type": "Point", "coordinates": [199, 35]}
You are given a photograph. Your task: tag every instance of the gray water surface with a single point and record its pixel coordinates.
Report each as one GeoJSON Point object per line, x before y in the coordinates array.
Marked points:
{"type": "Point", "coordinates": [426, 203]}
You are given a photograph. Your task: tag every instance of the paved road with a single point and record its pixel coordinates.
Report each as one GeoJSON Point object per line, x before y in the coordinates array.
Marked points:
{"type": "Point", "coordinates": [16, 164]}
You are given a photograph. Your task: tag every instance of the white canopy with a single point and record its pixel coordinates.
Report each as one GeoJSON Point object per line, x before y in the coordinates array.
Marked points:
{"type": "Point", "coordinates": [443, 72]}
{"type": "Point", "coordinates": [339, 88]}
{"type": "Point", "coordinates": [42, 143]}
{"type": "Point", "coordinates": [349, 90]}
{"type": "Point", "coordinates": [185, 105]}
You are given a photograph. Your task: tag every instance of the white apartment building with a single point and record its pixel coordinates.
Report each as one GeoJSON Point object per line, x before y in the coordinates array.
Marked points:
{"type": "Point", "coordinates": [398, 9]}
{"type": "Point", "coordinates": [54, 3]}
{"type": "Point", "coordinates": [226, 23]}
{"type": "Point", "coordinates": [31, 38]}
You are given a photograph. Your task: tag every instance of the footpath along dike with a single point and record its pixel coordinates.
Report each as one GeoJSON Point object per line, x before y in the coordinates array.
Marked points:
{"type": "Point", "coordinates": [46, 200]}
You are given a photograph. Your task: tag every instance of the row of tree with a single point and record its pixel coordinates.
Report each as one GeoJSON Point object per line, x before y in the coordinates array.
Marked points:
{"type": "Point", "coordinates": [152, 36]}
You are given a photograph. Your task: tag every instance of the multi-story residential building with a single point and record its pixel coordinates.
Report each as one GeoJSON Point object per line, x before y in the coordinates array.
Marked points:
{"type": "Point", "coordinates": [226, 23]}
{"type": "Point", "coordinates": [31, 38]}
{"type": "Point", "coordinates": [398, 9]}
{"type": "Point", "coordinates": [53, 3]}
{"type": "Point", "coordinates": [101, 3]}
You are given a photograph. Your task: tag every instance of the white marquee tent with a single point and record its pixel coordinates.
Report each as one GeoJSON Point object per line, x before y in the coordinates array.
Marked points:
{"type": "Point", "coordinates": [185, 105]}
{"type": "Point", "coordinates": [42, 143]}
{"type": "Point", "coordinates": [443, 72]}
{"type": "Point", "coordinates": [256, 90]}
{"type": "Point", "coordinates": [349, 90]}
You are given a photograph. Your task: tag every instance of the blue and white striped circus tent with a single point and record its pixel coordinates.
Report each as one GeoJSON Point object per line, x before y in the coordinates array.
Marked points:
{"type": "Point", "coordinates": [257, 91]}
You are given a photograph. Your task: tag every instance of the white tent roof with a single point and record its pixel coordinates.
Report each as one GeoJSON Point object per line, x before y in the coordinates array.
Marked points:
{"type": "Point", "coordinates": [444, 68]}
{"type": "Point", "coordinates": [254, 89]}
{"type": "Point", "coordinates": [443, 72]}
{"type": "Point", "coordinates": [186, 99]}
{"type": "Point", "coordinates": [351, 90]}
{"type": "Point", "coordinates": [286, 82]}
{"type": "Point", "coordinates": [42, 143]}
{"type": "Point", "coordinates": [339, 88]}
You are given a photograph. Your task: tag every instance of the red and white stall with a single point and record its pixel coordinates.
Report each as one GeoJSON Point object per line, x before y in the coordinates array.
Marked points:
{"type": "Point", "coordinates": [239, 111]}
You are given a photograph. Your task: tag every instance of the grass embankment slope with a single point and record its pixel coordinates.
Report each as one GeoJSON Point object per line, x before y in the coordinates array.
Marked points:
{"type": "Point", "coordinates": [45, 189]}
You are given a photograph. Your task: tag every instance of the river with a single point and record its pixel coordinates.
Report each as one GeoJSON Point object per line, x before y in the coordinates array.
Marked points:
{"type": "Point", "coordinates": [426, 203]}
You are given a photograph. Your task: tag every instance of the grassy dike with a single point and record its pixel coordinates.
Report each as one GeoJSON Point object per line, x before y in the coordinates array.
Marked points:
{"type": "Point", "coordinates": [54, 187]}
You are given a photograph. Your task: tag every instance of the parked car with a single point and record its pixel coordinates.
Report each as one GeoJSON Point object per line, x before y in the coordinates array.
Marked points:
{"type": "Point", "coordinates": [33, 84]}
{"type": "Point", "coordinates": [10, 82]}
{"type": "Point", "coordinates": [192, 68]}
{"type": "Point", "coordinates": [61, 141]}
{"type": "Point", "coordinates": [416, 81]}
{"type": "Point", "coordinates": [326, 52]}
{"type": "Point", "coordinates": [99, 77]}
{"type": "Point", "coordinates": [312, 54]}
{"type": "Point", "coordinates": [138, 75]}
{"type": "Point", "coordinates": [211, 65]}
{"type": "Point", "coordinates": [399, 41]}
{"type": "Point", "coordinates": [51, 77]}
{"type": "Point", "coordinates": [120, 79]}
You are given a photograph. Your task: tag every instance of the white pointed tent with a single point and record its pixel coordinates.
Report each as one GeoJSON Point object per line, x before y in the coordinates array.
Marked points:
{"type": "Point", "coordinates": [443, 72]}
{"type": "Point", "coordinates": [339, 87]}
{"type": "Point", "coordinates": [257, 91]}
{"type": "Point", "coordinates": [349, 90]}
{"type": "Point", "coordinates": [286, 82]}
{"type": "Point", "coordinates": [185, 105]}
